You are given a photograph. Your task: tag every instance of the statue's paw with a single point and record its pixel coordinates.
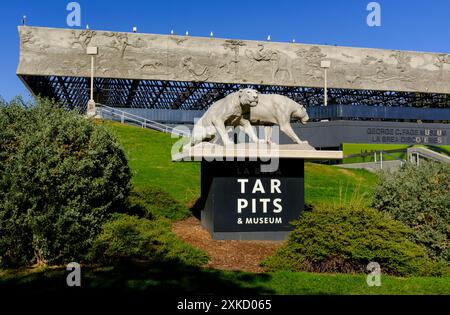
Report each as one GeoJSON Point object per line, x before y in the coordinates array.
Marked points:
{"type": "Point", "coordinates": [270, 142]}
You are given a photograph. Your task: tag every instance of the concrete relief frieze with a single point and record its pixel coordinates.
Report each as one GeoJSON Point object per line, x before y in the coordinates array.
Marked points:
{"type": "Point", "coordinates": [196, 71]}
{"type": "Point", "coordinates": [310, 59]}
{"type": "Point", "coordinates": [47, 51]}
{"type": "Point", "coordinates": [276, 62]}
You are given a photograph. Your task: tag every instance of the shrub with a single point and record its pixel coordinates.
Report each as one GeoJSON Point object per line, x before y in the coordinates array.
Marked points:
{"type": "Point", "coordinates": [420, 198]}
{"type": "Point", "coordinates": [153, 202]}
{"type": "Point", "coordinates": [60, 178]}
{"type": "Point", "coordinates": [336, 239]}
{"type": "Point", "coordinates": [128, 237]}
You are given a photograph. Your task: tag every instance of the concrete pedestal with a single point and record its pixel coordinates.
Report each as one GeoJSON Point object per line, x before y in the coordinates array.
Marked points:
{"type": "Point", "coordinates": [242, 198]}
{"type": "Point", "coordinates": [241, 203]}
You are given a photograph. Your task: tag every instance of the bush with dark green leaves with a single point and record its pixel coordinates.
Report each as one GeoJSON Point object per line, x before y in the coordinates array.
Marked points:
{"type": "Point", "coordinates": [337, 239]}
{"type": "Point", "coordinates": [420, 198]}
{"type": "Point", "coordinates": [126, 238]}
{"type": "Point", "coordinates": [61, 176]}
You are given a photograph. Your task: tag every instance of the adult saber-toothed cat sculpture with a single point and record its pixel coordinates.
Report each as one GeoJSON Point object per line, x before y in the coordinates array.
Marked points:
{"type": "Point", "coordinates": [275, 109]}
{"type": "Point", "coordinates": [228, 111]}
{"type": "Point", "coordinates": [264, 109]}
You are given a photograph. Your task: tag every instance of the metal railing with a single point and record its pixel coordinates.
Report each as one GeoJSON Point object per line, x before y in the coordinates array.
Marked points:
{"type": "Point", "coordinates": [414, 155]}
{"type": "Point", "coordinates": [124, 117]}
{"type": "Point", "coordinates": [381, 152]}
{"type": "Point", "coordinates": [379, 156]}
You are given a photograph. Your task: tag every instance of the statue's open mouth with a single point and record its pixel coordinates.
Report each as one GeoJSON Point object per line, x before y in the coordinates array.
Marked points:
{"type": "Point", "coordinates": [253, 103]}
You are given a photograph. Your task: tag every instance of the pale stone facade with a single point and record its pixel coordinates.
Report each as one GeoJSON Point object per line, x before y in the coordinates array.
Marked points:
{"type": "Point", "coordinates": [62, 52]}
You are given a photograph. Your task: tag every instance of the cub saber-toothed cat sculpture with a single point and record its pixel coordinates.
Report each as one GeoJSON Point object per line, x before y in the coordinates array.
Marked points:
{"type": "Point", "coordinates": [260, 109]}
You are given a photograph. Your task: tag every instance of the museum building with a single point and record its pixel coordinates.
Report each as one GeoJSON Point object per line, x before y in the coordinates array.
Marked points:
{"type": "Point", "coordinates": [352, 95]}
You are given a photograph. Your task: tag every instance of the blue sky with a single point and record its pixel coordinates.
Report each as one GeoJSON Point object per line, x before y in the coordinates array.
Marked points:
{"type": "Point", "coordinates": [405, 24]}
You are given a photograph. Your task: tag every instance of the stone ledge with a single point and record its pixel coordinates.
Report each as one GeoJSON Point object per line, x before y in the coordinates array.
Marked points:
{"type": "Point", "coordinates": [254, 151]}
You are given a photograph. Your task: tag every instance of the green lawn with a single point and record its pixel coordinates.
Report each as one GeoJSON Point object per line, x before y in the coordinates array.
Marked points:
{"type": "Point", "coordinates": [149, 155]}
{"type": "Point", "coordinates": [313, 283]}
{"type": "Point", "coordinates": [329, 184]}
{"type": "Point", "coordinates": [170, 279]}
{"type": "Point", "coordinates": [358, 148]}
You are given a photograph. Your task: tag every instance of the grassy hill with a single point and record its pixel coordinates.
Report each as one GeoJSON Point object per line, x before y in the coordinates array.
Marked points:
{"type": "Point", "coordinates": [149, 155]}
{"type": "Point", "coordinates": [149, 158]}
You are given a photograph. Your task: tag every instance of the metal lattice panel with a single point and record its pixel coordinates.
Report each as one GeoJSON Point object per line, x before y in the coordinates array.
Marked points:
{"type": "Point", "coordinates": [73, 93]}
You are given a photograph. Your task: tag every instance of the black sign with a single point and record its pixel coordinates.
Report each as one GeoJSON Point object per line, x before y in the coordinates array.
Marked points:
{"type": "Point", "coordinates": [257, 204]}
{"type": "Point", "coordinates": [239, 197]}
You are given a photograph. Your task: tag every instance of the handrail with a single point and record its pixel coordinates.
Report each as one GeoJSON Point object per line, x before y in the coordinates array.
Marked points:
{"type": "Point", "coordinates": [144, 122]}
{"type": "Point", "coordinates": [392, 156]}
{"type": "Point", "coordinates": [132, 115]}
{"type": "Point", "coordinates": [371, 152]}
{"type": "Point", "coordinates": [426, 153]}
